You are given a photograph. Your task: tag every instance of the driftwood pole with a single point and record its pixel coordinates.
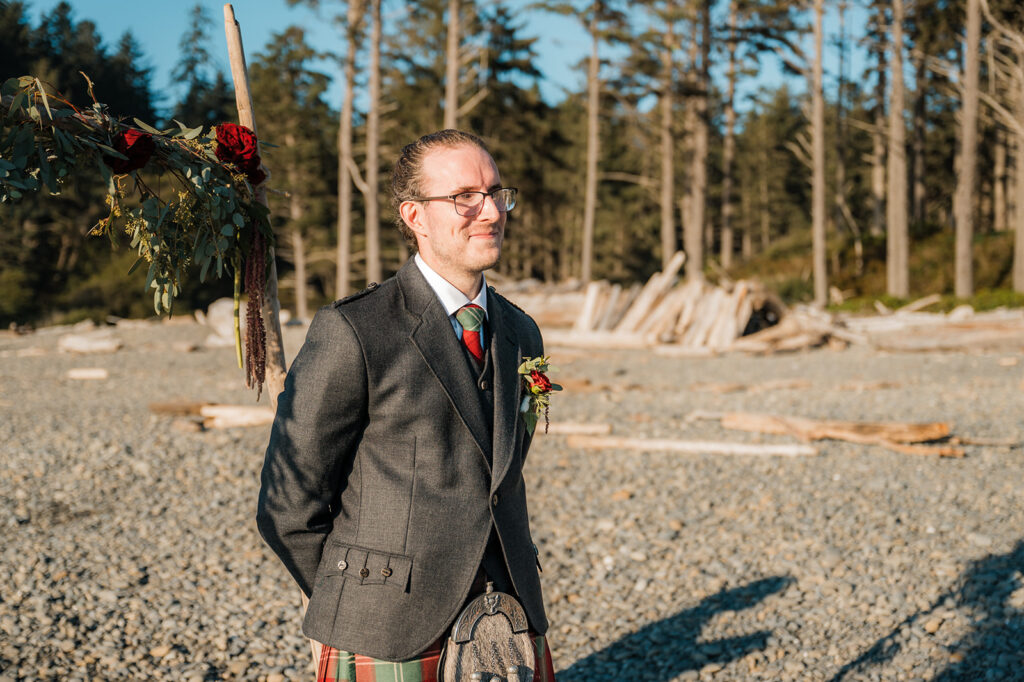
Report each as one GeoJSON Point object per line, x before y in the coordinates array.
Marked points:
{"type": "Point", "coordinates": [271, 306]}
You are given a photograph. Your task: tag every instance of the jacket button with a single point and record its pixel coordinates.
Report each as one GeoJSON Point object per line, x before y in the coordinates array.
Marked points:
{"type": "Point", "coordinates": [386, 572]}
{"type": "Point", "coordinates": [494, 500]}
{"type": "Point", "coordinates": [484, 385]}
{"type": "Point", "coordinates": [342, 565]}
{"type": "Point", "coordinates": [364, 572]}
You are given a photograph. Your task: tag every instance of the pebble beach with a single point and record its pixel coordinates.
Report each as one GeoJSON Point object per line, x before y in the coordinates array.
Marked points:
{"type": "Point", "coordinates": [129, 549]}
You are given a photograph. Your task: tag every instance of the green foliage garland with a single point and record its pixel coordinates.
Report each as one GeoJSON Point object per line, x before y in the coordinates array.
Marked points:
{"type": "Point", "coordinates": [196, 205]}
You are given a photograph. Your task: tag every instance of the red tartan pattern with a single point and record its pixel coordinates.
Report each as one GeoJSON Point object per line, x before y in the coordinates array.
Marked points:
{"type": "Point", "coordinates": [342, 666]}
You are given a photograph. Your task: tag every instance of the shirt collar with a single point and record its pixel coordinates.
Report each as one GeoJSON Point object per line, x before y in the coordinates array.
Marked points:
{"type": "Point", "coordinates": [451, 298]}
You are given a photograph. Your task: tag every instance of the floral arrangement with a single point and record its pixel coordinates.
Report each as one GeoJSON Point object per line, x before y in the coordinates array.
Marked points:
{"type": "Point", "coordinates": [182, 196]}
{"type": "Point", "coordinates": [538, 389]}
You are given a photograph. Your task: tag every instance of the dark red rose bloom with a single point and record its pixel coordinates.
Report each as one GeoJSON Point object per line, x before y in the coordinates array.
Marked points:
{"type": "Point", "coordinates": [136, 145]}
{"type": "Point", "coordinates": [237, 145]}
{"type": "Point", "coordinates": [540, 381]}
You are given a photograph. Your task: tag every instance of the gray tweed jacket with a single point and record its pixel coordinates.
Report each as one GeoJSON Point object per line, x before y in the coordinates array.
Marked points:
{"type": "Point", "coordinates": [382, 477]}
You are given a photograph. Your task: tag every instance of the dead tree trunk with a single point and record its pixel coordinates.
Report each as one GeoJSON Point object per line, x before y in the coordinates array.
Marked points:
{"type": "Point", "coordinates": [295, 215]}
{"type": "Point", "coordinates": [694, 230]}
{"type": "Point", "coordinates": [729, 144]}
{"type": "Point", "coordinates": [373, 261]}
{"type": "Point", "coordinates": [346, 162]}
{"type": "Point", "coordinates": [593, 149]}
{"type": "Point", "coordinates": [818, 152]}
{"type": "Point", "coordinates": [766, 215]}
{"type": "Point", "coordinates": [451, 75]}
{"type": "Point", "coordinates": [878, 134]}
{"type": "Point", "coordinates": [897, 251]}
{"type": "Point", "coordinates": [668, 180]}
{"type": "Point", "coordinates": [917, 188]}
{"type": "Point", "coordinates": [964, 269]}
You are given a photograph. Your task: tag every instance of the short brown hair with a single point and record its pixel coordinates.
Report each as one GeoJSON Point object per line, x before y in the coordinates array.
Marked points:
{"type": "Point", "coordinates": [407, 173]}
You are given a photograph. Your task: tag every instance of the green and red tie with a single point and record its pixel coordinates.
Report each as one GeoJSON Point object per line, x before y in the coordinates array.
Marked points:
{"type": "Point", "coordinates": [471, 317]}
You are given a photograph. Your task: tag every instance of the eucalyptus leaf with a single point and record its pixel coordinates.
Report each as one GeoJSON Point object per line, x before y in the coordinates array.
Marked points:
{"type": "Point", "coordinates": [46, 101]}
{"type": "Point", "coordinates": [148, 128]}
{"type": "Point", "coordinates": [139, 260]}
{"type": "Point", "coordinates": [111, 151]}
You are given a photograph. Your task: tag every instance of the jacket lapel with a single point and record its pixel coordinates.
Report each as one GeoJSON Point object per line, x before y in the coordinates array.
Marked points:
{"type": "Point", "coordinates": [506, 356]}
{"type": "Point", "coordinates": [435, 340]}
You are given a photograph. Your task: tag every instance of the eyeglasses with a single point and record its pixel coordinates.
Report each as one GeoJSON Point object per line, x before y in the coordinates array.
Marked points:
{"type": "Point", "coordinates": [468, 204]}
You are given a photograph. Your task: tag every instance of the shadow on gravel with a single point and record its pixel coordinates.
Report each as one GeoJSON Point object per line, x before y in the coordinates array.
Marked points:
{"type": "Point", "coordinates": [668, 648]}
{"type": "Point", "coordinates": [985, 595]}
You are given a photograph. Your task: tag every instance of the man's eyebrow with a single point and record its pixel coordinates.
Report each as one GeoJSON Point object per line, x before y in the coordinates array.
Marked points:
{"type": "Point", "coordinates": [472, 188]}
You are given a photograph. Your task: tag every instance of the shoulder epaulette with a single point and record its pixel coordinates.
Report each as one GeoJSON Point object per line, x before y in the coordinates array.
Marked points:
{"type": "Point", "coordinates": [359, 294]}
{"type": "Point", "coordinates": [505, 299]}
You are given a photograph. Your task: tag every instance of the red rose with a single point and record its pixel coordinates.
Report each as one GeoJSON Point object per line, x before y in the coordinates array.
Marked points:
{"type": "Point", "coordinates": [237, 145]}
{"type": "Point", "coordinates": [540, 381]}
{"type": "Point", "coordinates": [136, 145]}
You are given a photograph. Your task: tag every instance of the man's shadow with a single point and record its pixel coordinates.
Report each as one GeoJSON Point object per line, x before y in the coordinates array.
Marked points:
{"type": "Point", "coordinates": [996, 640]}
{"type": "Point", "coordinates": [664, 650]}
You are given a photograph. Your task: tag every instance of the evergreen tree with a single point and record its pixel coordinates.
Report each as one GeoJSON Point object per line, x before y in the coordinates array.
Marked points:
{"type": "Point", "coordinates": [208, 98]}
{"type": "Point", "coordinates": [297, 123]}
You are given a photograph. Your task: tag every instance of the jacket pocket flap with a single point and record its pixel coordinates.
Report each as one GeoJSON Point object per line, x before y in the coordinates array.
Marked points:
{"type": "Point", "coordinates": [367, 566]}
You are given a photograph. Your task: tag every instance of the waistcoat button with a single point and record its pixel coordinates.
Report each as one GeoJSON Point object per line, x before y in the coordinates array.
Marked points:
{"type": "Point", "coordinates": [386, 572]}
{"type": "Point", "coordinates": [342, 565]}
{"type": "Point", "coordinates": [363, 572]}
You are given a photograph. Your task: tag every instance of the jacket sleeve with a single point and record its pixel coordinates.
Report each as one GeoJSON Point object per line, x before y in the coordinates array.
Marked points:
{"type": "Point", "coordinates": [320, 418]}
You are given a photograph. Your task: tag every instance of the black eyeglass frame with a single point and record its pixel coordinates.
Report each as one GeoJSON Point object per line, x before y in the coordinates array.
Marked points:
{"type": "Point", "coordinates": [514, 190]}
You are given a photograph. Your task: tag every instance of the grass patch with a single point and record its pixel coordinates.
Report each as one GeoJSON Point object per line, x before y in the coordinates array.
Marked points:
{"type": "Point", "coordinates": [785, 268]}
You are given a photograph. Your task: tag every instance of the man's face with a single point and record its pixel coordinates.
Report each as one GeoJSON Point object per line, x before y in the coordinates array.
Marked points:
{"type": "Point", "coordinates": [450, 243]}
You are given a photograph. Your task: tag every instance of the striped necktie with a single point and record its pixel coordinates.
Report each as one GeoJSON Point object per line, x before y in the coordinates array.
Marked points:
{"type": "Point", "coordinates": [471, 317]}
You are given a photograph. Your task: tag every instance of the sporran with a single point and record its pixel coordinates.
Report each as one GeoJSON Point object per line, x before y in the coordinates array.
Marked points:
{"type": "Point", "coordinates": [490, 641]}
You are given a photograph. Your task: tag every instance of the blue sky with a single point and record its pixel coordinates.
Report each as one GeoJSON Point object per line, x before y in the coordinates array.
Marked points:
{"type": "Point", "coordinates": [158, 26]}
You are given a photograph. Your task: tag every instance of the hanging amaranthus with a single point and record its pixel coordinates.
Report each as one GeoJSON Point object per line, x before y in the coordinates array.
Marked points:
{"type": "Point", "coordinates": [255, 332]}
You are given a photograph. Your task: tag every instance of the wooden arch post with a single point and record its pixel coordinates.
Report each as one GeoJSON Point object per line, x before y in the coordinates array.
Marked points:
{"type": "Point", "coordinates": [271, 306]}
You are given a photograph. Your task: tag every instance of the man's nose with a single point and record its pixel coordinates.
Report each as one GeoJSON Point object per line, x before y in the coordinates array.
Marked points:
{"type": "Point", "coordinates": [489, 209]}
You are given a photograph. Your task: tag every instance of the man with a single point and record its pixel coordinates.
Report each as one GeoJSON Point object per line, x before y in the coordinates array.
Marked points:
{"type": "Point", "coordinates": [392, 488]}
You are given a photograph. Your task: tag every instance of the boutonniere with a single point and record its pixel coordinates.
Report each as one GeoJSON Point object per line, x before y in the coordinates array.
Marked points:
{"type": "Point", "coordinates": [538, 391]}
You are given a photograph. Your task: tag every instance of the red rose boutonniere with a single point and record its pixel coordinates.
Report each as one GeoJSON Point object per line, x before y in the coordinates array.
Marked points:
{"type": "Point", "coordinates": [538, 390]}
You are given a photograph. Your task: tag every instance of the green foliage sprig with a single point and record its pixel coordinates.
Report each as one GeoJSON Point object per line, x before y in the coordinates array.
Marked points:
{"type": "Point", "coordinates": [190, 209]}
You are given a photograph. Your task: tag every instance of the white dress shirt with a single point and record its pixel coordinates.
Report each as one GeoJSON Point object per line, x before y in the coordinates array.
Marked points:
{"type": "Point", "coordinates": [451, 298]}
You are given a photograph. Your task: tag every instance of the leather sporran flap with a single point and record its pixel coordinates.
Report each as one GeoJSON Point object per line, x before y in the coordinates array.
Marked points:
{"type": "Point", "coordinates": [490, 641]}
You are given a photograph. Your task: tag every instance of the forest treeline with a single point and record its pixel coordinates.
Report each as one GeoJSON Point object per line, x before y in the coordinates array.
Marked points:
{"type": "Point", "coordinates": [905, 178]}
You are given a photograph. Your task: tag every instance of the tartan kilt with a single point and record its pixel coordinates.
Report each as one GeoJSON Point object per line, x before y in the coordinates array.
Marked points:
{"type": "Point", "coordinates": [342, 666]}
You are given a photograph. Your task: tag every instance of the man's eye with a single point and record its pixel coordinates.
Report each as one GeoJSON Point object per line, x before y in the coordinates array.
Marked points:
{"type": "Point", "coordinates": [466, 197]}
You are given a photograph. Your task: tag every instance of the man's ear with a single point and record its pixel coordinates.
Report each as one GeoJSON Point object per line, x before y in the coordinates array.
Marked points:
{"type": "Point", "coordinates": [412, 213]}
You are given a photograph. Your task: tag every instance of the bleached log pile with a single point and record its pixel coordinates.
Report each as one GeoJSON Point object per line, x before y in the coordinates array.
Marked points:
{"type": "Point", "coordinates": [960, 329]}
{"type": "Point", "coordinates": [688, 318]}
{"type": "Point", "coordinates": [676, 318]}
